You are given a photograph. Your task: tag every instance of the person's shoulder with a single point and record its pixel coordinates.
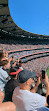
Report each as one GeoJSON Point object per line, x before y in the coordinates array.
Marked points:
{"type": "Point", "coordinates": [2, 71]}
{"type": "Point", "coordinates": [5, 74]}
{"type": "Point", "coordinates": [16, 89]}
{"type": "Point", "coordinates": [9, 81]}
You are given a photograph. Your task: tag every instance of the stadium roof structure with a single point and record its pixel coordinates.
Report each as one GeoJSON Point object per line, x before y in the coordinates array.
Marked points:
{"type": "Point", "coordinates": [7, 25]}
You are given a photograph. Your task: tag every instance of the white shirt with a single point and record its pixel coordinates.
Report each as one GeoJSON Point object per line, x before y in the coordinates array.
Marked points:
{"type": "Point", "coordinates": [4, 77]}
{"type": "Point", "coordinates": [27, 101]}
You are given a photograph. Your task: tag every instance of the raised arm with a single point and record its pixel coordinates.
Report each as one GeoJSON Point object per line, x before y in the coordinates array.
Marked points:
{"type": "Point", "coordinates": [47, 87]}
{"type": "Point", "coordinates": [34, 90]}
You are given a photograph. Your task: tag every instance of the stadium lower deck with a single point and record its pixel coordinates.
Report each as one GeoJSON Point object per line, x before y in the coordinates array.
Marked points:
{"type": "Point", "coordinates": [34, 65]}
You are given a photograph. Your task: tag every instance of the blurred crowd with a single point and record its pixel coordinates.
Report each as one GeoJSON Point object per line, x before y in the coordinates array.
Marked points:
{"type": "Point", "coordinates": [31, 65]}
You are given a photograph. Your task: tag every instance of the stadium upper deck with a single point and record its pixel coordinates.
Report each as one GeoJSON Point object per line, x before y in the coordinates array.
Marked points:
{"type": "Point", "coordinates": [8, 27]}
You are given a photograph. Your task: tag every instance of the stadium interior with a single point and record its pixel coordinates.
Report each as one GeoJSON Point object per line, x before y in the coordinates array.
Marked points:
{"type": "Point", "coordinates": [32, 49]}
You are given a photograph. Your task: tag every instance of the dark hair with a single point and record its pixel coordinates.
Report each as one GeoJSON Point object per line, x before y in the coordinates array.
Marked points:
{"type": "Point", "coordinates": [3, 62]}
{"type": "Point", "coordinates": [20, 63]}
{"type": "Point", "coordinates": [48, 99]}
{"type": "Point", "coordinates": [1, 54]}
{"type": "Point", "coordinates": [12, 70]}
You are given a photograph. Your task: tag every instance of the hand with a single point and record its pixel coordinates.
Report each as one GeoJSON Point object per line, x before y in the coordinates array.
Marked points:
{"type": "Point", "coordinates": [39, 80]}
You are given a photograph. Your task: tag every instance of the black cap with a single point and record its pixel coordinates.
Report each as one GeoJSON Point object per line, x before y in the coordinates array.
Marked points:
{"type": "Point", "coordinates": [24, 75]}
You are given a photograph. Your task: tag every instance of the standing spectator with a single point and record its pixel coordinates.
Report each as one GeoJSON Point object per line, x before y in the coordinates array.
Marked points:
{"type": "Point", "coordinates": [24, 99]}
{"type": "Point", "coordinates": [4, 77]}
{"type": "Point", "coordinates": [11, 84]}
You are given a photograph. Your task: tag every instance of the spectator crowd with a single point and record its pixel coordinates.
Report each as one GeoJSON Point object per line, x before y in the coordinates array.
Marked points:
{"type": "Point", "coordinates": [20, 87]}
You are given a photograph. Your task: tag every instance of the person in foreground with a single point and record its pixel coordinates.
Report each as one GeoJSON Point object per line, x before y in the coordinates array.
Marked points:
{"type": "Point", "coordinates": [24, 99]}
{"type": "Point", "coordinates": [6, 106]}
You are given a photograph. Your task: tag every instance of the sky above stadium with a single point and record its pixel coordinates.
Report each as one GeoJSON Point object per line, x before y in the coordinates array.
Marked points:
{"type": "Point", "coordinates": [31, 15]}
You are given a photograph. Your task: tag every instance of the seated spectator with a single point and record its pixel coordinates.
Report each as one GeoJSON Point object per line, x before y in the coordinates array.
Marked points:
{"type": "Point", "coordinates": [11, 84]}
{"type": "Point", "coordinates": [4, 77]}
{"type": "Point", "coordinates": [24, 98]}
